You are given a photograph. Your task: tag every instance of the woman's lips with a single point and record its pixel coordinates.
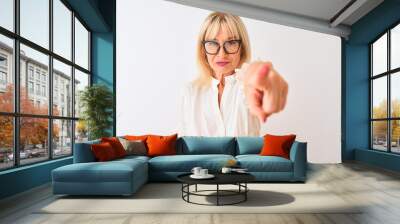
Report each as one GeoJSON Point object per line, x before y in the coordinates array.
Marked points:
{"type": "Point", "coordinates": [222, 64]}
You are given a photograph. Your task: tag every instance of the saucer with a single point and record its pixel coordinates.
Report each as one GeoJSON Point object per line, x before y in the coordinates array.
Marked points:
{"type": "Point", "coordinates": [208, 176]}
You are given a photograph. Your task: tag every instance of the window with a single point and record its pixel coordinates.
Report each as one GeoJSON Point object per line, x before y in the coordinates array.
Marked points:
{"type": "Point", "coordinates": [6, 142]}
{"type": "Point", "coordinates": [47, 76]}
{"type": "Point", "coordinates": [44, 91]}
{"type": "Point", "coordinates": [30, 72]}
{"type": "Point", "coordinates": [7, 14]}
{"type": "Point", "coordinates": [34, 21]}
{"type": "Point", "coordinates": [81, 45]}
{"type": "Point", "coordinates": [62, 137]}
{"type": "Point", "coordinates": [81, 81]}
{"type": "Point", "coordinates": [3, 78]}
{"type": "Point", "coordinates": [3, 61]}
{"type": "Point", "coordinates": [30, 88]}
{"type": "Point", "coordinates": [62, 29]}
{"type": "Point", "coordinates": [6, 72]}
{"type": "Point", "coordinates": [61, 74]}
{"type": "Point", "coordinates": [37, 75]}
{"type": "Point", "coordinates": [385, 91]}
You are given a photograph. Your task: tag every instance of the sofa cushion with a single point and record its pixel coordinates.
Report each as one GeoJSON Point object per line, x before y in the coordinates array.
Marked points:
{"type": "Point", "coordinates": [195, 145]}
{"type": "Point", "coordinates": [132, 158]}
{"type": "Point", "coordinates": [249, 145]}
{"type": "Point", "coordinates": [257, 163]}
{"type": "Point", "coordinates": [185, 163]}
{"type": "Point", "coordinates": [111, 171]}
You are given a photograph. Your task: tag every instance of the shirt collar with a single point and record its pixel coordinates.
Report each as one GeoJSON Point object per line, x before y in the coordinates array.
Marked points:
{"type": "Point", "coordinates": [230, 79]}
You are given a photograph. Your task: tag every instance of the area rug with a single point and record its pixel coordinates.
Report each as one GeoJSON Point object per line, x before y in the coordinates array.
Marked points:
{"type": "Point", "coordinates": [167, 198]}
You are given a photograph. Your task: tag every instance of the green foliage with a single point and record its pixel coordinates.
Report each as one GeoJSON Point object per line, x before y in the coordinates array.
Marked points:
{"type": "Point", "coordinates": [96, 102]}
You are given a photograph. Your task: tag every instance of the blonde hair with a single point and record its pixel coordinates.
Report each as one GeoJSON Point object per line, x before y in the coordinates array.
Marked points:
{"type": "Point", "coordinates": [209, 30]}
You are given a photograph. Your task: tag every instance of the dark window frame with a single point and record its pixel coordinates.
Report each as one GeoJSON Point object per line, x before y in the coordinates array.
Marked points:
{"type": "Point", "coordinates": [16, 114]}
{"type": "Point", "coordinates": [388, 74]}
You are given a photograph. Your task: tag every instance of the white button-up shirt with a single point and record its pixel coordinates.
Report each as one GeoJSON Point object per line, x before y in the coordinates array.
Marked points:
{"type": "Point", "coordinates": [200, 114]}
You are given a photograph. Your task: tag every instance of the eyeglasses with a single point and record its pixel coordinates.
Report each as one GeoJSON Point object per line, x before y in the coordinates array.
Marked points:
{"type": "Point", "coordinates": [230, 46]}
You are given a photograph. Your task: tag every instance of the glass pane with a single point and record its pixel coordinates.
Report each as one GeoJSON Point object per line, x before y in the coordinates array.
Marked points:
{"type": "Point", "coordinates": [7, 14]}
{"type": "Point", "coordinates": [62, 89]}
{"type": "Point", "coordinates": [379, 135]}
{"type": "Point", "coordinates": [62, 29]}
{"type": "Point", "coordinates": [81, 131]}
{"type": "Point", "coordinates": [6, 74]}
{"type": "Point", "coordinates": [81, 45]}
{"type": "Point", "coordinates": [379, 55]}
{"type": "Point", "coordinates": [33, 139]}
{"type": "Point", "coordinates": [395, 136]}
{"type": "Point", "coordinates": [395, 94]}
{"type": "Point", "coordinates": [34, 97]}
{"type": "Point", "coordinates": [35, 21]}
{"type": "Point", "coordinates": [395, 47]}
{"type": "Point", "coordinates": [6, 142]}
{"type": "Point", "coordinates": [379, 100]}
{"type": "Point", "coordinates": [62, 137]}
{"type": "Point", "coordinates": [81, 81]}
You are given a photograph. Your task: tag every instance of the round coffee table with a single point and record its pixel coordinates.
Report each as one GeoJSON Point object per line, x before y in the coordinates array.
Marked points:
{"type": "Point", "coordinates": [238, 179]}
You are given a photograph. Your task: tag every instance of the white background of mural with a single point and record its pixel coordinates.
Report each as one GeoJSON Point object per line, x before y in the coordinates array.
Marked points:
{"type": "Point", "coordinates": [156, 56]}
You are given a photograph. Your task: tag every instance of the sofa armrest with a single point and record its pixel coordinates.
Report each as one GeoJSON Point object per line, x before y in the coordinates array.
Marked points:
{"type": "Point", "coordinates": [298, 155]}
{"type": "Point", "coordinates": [83, 152]}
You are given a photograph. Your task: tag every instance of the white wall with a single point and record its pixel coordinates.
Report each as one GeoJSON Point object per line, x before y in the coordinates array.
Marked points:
{"type": "Point", "coordinates": [156, 57]}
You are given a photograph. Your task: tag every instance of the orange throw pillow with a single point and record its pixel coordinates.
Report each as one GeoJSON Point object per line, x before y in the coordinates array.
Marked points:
{"type": "Point", "coordinates": [161, 145]}
{"type": "Point", "coordinates": [275, 145]}
{"type": "Point", "coordinates": [116, 145]}
{"type": "Point", "coordinates": [103, 152]}
{"type": "Point", "coordinates": [136, 137]}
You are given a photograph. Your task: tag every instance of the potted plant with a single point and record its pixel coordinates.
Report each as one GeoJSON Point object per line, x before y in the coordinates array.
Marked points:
{"type": "Point", "coordinates": [96, 103]}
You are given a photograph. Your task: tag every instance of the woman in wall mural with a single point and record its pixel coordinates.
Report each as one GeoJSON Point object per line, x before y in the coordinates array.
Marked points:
{"type": "Point", "coordinates": [225, 100]}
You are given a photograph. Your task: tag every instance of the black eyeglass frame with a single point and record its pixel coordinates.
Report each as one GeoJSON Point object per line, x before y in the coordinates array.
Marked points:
{"type": "Point", "coordinates": [219, 46]}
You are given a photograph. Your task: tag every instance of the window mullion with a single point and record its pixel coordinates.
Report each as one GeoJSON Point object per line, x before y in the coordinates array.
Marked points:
{"type": "Point", "coordinates": [73, 82]}
{"type": "Point", "coordinates": [50, 79]}
{"type": "Point", "coordinates": [370, 98]}
{"type": "Point", "coordinates": [16, 83]}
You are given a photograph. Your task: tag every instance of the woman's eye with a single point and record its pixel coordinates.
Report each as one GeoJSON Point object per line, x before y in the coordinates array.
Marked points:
{"type": "Point", "coordinates": [232, 42]}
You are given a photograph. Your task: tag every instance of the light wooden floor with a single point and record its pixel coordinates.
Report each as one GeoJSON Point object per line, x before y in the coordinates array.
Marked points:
{"type": "Point", "coordinates": [378, 188]}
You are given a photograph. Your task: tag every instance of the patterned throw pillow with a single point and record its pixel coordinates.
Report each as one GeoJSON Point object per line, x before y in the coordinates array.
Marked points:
{"type": "Point", "coordinates": [134, 147]}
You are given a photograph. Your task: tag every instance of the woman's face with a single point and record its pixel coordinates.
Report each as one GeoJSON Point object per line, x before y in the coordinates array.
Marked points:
{"type": "Point", "coordinates": [223, 63]}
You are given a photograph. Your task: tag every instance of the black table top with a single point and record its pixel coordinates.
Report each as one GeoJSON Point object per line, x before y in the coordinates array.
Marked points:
{"type": "Point", "coordinates": [220, 178]}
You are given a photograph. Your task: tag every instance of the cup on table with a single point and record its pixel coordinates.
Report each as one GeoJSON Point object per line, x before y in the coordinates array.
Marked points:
{"type": "Point", "coordinates": [196, 171]}
{"type": "Point", "coordinates": [203, 172]}
{"type": "Point", "coordinates": [226, 170]}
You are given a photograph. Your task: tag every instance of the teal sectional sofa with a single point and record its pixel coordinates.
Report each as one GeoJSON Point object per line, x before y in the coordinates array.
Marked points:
{"type": "Point", "coordinates": [125, 176]}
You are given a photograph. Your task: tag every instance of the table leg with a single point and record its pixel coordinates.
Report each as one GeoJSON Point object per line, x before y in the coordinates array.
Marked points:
{"type": "Point", "coordinates": [245, 193]}
{"type": "Point", "coordinates": [217, 194]}
{"type": "Point", "coordinates": [196, 188]}
{"type": "Point", "coordinates": [188, 190]}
